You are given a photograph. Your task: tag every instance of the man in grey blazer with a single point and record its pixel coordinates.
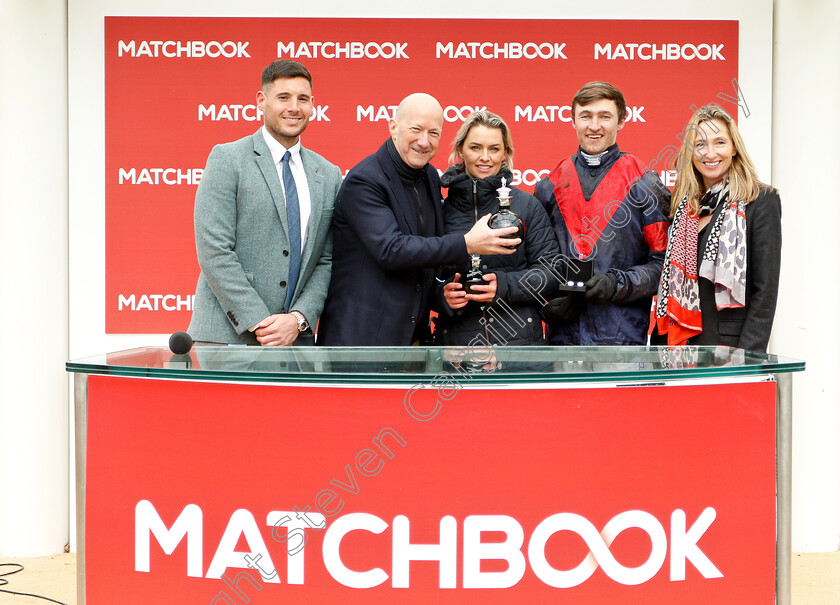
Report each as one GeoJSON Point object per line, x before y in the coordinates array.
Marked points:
{"type": "Point", "coordinates": [263, 225]}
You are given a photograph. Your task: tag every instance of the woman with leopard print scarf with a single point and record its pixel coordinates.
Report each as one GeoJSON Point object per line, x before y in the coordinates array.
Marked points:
{"type": "Point", "coordinates": [721, 274]}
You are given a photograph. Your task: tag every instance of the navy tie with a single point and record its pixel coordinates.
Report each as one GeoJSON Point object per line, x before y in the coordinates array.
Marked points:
{"type": "Point", "coordinates": [293, 218]}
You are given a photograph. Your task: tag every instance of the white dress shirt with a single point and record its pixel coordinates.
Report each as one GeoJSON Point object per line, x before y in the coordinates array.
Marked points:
{"type": "Point", "coordinates": [277, 153]}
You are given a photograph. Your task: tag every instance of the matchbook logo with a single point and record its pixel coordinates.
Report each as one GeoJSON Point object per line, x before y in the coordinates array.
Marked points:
{"type": "Point", "coordinates": [346, 50]}
{"type": "Point", "coordinates": [660, 52]}
{"type": "Point", "coordinates": [182, 49]}
{"type": "Point", "coordinates": [496, 50]}
{"type": "Point", "coordinates": [160, 176]}
{"type": "Point", "coordinates": [384, 113]}
{"type": "Point", "coordinates": [243, 525]}
{"type": "Point", "coordinates": [562, 113]}
{"type": "Point", "coordinates": [248, 113]}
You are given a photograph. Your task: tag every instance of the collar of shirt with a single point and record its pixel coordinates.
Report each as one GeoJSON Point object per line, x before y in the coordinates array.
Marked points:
{"type": "Point", "coordinates": [605, 158]}
{"type": "Point", "coordinates": [278, 151]}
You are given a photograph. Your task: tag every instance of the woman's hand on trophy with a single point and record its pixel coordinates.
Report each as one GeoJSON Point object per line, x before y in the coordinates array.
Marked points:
{"type": "Point", "coordinates": [454, 293]}
{"type": "Point", "coordinates": [487, 292]}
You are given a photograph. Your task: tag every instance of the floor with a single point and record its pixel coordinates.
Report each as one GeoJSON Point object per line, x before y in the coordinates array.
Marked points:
{"type": "Point", "coordinates": [815, 578]}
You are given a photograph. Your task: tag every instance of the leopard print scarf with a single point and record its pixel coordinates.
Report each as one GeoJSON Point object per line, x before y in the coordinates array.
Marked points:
{"type": "Point", "coordinates": [724, 262]}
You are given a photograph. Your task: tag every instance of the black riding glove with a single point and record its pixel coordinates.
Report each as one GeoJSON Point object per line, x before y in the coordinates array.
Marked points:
{"type": "Point", "coordinates": [562, 308]}
{"type": "Point", "coordinates": [600, 288]}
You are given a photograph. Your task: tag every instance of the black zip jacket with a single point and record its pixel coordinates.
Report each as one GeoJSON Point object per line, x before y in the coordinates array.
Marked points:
{"type": "Point", "coordinates": [523, 283]}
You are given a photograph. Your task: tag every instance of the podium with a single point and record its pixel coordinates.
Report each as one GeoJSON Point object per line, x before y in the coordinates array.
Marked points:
{"type": "Point", "coordinates": [445, 475]}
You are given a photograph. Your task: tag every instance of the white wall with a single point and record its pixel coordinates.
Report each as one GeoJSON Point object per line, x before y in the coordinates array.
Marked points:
{"type": "Point", "coordinates": [806, 160]}
{"type": "Point", "coordinates": [33, 280]}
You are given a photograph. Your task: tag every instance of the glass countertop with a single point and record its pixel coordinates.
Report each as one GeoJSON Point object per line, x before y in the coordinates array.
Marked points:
{"type": "Point", "coordinates": [412, 365]}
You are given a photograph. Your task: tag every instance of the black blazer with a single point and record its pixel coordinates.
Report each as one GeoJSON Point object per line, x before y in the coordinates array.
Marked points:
{"type": "Point", "coordinates": [748, 327]}
{"type": "Point", "coordinates": [377, 283]}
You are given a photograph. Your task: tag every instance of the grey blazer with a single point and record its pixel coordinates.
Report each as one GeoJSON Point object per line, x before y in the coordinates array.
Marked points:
{"type": "Point", "coordinates": [242, 241]}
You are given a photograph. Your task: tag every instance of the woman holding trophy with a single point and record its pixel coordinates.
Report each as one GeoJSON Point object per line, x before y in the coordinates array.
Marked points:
{"type": "Point", "coordinates": [721, 274]}
{"type": "Point", "coordinates": [493, 300]}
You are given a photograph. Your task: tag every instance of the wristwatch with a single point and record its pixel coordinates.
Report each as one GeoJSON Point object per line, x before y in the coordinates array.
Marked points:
{"type": "Point", "coordinates": [303, 325]}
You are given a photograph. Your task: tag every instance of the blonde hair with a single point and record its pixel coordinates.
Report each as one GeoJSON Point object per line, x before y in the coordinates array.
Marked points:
{"type": "Point", "coordinates": [743, 180]}
{"type": "Point", "coordinates": [489, 120]}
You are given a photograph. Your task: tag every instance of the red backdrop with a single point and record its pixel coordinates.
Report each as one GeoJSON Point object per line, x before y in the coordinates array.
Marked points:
{"type": "Point", "coordinates": [174, 87]}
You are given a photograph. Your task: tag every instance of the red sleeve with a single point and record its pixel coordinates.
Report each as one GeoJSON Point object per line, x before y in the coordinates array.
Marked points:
{"type": "Point", "coordinates": [656, 236]}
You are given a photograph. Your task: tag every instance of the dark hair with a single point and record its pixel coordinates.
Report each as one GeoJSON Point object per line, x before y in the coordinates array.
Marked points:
{"type": "Point", "coordinates": [285, 68]}
{"type": "Point", "coordinates": [597, 90]}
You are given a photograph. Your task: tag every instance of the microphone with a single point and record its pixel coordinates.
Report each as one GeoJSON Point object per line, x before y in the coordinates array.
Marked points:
{"type": "Point", "coordinates": [180, 343]}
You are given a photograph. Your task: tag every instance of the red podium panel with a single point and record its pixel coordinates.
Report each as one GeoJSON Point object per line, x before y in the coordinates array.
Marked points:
{"type": "Point", "coordinates": [198, 492]}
